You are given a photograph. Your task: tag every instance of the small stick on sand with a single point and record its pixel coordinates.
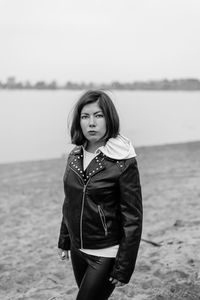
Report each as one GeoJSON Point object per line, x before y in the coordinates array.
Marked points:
{"type": "Point", "coordinates": [151, 242]}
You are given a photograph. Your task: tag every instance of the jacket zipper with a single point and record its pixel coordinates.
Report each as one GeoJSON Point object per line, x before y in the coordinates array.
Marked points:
{"type": "Point", "coordinates": [82, 207]}
{"type": "Point", "coordinates": [103, 219]}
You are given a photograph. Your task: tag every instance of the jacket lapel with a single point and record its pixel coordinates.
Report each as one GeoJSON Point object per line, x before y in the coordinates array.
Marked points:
{"type": "Point", "coordinates": [76, 164]}
{"type": "Point", "coordinates": [96, 165]}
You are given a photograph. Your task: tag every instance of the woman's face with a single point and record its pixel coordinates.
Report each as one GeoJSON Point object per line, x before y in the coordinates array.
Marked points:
{"type": "Point", "coordinates": [93, 123]}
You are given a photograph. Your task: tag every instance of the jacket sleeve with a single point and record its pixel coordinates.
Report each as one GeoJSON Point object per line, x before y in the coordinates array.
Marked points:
{"type": "Point", "coordinates": [131, 220]}
{"type": "Point", "coordinates": [64, 239]}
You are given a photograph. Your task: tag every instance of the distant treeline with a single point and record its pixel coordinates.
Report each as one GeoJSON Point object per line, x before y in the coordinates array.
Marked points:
{"type": "Point", "coordinates": [189, 84]}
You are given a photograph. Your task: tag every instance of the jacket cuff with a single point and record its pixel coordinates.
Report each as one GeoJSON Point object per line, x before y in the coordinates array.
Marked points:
{"type": "Point", "coordinates": [64, 243]}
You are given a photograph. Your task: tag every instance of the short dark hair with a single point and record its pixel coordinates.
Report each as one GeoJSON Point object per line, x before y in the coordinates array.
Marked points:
{"type": "Point", "coordinates": [108, 109]}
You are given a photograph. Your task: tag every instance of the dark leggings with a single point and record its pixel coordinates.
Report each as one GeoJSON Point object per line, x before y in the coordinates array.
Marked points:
{"type": "Point", "coordinates": [92, 275]}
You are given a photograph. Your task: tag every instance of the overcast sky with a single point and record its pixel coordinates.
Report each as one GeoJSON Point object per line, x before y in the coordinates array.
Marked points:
{"type": "Point", "coordinates": [99, 40]}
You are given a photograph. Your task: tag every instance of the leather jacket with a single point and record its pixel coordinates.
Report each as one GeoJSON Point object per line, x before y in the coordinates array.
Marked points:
{"type": "Point", "coordinates": [102, 208]}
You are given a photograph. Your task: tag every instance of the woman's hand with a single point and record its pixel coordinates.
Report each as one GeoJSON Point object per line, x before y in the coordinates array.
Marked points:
{"type": "Point", "coordinates": [116, 282]}
{"type": "Point", "coordinates": [63, 254]}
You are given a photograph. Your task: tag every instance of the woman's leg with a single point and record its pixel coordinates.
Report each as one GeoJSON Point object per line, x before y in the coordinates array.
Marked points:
{"type": "Point", "coordinates": [92, 275]}
{"type": "Point", "coordinates": [79, 265]}
{"type": "Point", "coordinates": [95, 284]}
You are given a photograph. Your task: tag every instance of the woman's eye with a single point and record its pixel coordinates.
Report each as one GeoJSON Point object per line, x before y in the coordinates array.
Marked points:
{"type": "Point", "coordinates": [99, 116]}
{"type": "Point", "coordinates": [83, 117]}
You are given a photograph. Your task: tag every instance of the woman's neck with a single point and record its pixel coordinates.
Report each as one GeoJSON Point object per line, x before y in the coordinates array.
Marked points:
{"type": "Point", "coordinates": [92, 147]}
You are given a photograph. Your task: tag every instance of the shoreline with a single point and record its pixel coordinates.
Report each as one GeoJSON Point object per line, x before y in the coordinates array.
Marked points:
{"type": "Point", "coordinates": [138, 148]}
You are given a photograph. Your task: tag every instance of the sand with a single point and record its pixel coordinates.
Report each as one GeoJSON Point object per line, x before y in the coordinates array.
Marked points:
{"type": "Point", "coordinates": [31, 196]}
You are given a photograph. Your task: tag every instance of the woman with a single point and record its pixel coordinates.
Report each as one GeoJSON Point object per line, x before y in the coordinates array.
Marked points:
{"type": "Point", "coordinates": [102, 210]}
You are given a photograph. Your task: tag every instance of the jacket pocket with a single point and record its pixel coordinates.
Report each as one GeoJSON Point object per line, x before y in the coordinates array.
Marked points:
{"type": "Point", "coordinates": [103, 219]}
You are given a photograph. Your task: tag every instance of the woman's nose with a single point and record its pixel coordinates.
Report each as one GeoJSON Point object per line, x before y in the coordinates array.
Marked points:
{"type": "Point", "coordinates": [92, 121]}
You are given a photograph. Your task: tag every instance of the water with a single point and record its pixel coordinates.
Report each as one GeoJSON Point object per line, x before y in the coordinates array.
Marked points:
{"type": "Point", "coordinates": [33, 124]}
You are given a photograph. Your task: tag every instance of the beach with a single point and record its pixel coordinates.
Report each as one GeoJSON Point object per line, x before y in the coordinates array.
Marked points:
{"type": "Point", "coordinates": [31, 197]}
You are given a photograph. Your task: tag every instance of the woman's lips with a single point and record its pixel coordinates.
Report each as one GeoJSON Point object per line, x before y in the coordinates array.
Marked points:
{"type": "Point", "coordinates": [92, 132]}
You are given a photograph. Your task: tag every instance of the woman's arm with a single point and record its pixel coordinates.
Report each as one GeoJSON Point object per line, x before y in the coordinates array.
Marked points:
{"type": "Point", "coordinates": [64, 239]}
{"type": "Point", "coordinates": [131, 221]}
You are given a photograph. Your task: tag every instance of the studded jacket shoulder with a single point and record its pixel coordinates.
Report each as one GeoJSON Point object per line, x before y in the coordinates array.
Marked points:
{"type": "Point", "coordinates": [102, 208]}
